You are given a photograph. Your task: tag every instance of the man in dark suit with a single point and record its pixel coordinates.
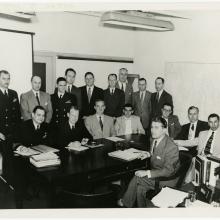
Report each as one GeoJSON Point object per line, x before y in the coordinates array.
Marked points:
{"type": "Point", "coordinates": [90, 93]}
{"type": "Point", "coordinates": [72, 130]}
{"type": "Point", "coordinates": [164, 162]}
{"type": "Point", "coordinates": [61, 103]}
{"type": "Point", "coordinates": [34, 131]}
{"type": "Point", "coordinates": [191, 130]}
{"type": "Point", "coordinates": [10, 115]}
{"type": "Point", "coordinates": [160, 97]}
{"type": "Point", "coordinates": [114, 98]}
{"type": "Point", "coordinates": [174, 127]}
{"type": "Point", "coordinates": [70, 75]}
{"type": "Point", "coordinates": [124, 85]}
{"type": "Point", "coordinates": [141, 102]}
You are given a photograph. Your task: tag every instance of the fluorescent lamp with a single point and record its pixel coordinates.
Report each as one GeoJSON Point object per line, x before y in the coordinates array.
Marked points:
{"type": "Point", "coordinates": [125, 19]}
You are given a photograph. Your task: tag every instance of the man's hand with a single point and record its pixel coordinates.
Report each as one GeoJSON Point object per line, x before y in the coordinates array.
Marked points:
{"type": "Point", "coordinates": [179, 143]}
{"type": "Point", "coordinates": [2, 137]}
{"type": "Point", "coordinates": [142, 173]}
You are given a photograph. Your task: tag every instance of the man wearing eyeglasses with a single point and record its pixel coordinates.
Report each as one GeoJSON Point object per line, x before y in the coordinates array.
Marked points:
{"type": "Point", "coordinates": [174, 127]}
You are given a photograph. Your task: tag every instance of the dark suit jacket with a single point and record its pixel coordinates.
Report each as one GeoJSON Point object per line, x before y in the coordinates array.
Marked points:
{"type": "Point", "coordinates": [61, 107]}
{"type": "Point", "coordinates": [165, 159]}
{"type": "Point", "coordinates": [156, 106]}
{"type": "Point", "coordinates": [10, 114]}
{"type": "Point", "coordinates": [128, 92]}
{"type": "Point", "coordinates": [174, 127]}
{"type": "Point", "coordinates": [88, 108]}
{"type": "Point", "coordinates": [114, 103]}
{"type": "Point", "coordinates": [28, 136]}
{"type": "Point", "coordinates": [143, 111]}
{"type": "Point", "coordinates": [183, 135]}
{"type": "Point", "coordinates": [66, 135]}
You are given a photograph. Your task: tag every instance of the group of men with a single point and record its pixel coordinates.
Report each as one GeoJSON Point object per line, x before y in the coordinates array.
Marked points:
{"type": "Point", "coordinates": [72, 114]}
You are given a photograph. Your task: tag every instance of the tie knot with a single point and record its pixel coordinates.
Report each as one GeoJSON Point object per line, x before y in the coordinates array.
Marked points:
{"type": "Point", "coordinates": [5, 92]}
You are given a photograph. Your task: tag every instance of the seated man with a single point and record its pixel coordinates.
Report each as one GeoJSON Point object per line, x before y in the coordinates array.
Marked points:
{"type": "Point", "coordinates": [128, 123]}
{"type": "Point", "coordinates": [208, 141]}
{"type": "Point", "coordinates": [73, 129]}
{"type": "Point", "coordinates": [191, 130]}
{"type": "Point", "coordinates": [173, 124]}
{"type": "Point", "coordinates": [34, 131]}
{"type": "Point", "coordinates": [164, 162]}
{"type": "Point", "coordinates": [100, 125]}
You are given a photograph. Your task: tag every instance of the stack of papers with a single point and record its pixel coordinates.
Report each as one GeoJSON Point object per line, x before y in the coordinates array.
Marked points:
{"type": "Point", "coordinates": [26, 151]}
{"type": "Point", "coordinates": [45, 160]}
{"type": "Point", "coordinates": [115, 139]}
{"type": "Point", "coordinates": [45, 149]}
{"type": "Point", "coordinates": [129, 154]}
{"type": "Point", "coordinates": [74, 147]}
{"type": "Point", "coordinates": [169, 197]}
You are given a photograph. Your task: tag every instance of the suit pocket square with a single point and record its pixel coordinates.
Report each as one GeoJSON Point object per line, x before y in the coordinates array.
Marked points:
{"type": "Point", "coordinates": [14, 100]}
{"type": "Point", "coordinates": [172, 124]}
{"type": "Point", "coordinates": [159, 158]}
{"type": "Point", "coordinates": [46, 103]}
{"type": "Point", "coordinates": [68, 101]}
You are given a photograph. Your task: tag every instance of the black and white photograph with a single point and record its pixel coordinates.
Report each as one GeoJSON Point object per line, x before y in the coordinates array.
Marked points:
{"type": "Point", "coordinates": [110, 107]}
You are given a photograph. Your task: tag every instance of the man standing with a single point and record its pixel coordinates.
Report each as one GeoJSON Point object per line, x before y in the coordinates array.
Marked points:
{"type": "Point", "coordinates": [124, 85]}
{"type": "Point", "coordinates": [9, 108]}
{"type": "Point", "coordinates": [114, 98]}
{"type": "Point", "coordinates": [160, 97]}
{"type": "Point", "coordinates": [192, 129]}
{"type": "Point", "coordinates": [72, 130]}
{"type": "Point", "coordinates": [164, 163]}
{"type": "Point", "coordinates": [141, 102]}
{"type": "Point", "coordinates": [173, 124]}
{"type": "Point", "coordinates": [61, 103]}
{"type": "Point", "coordinates": [100, 125]}
{"type": "Point", "coordinates": [90, 93]}
{"type": "Point", "coordinates": [128, 123]}
{"type": "Point", "coordinates": [33, 98]}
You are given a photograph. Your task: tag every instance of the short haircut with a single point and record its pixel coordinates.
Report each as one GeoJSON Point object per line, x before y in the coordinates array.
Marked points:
{"type": "Point", "coordinates": [123, 69]}
{"type": "Point", "coordinates": [40, 108]}
{"type": "Point", "coordinates": [168, 104]}
{"type": "Point", "coordinates": [3, 72]}
{"type": "Point", "coordinates": [128, 105]}
{"type": "Point", "coordinates": [75, 107]}
{"type": "Point", "coordinates": [89, 73]}
{"type": "Point", "coordinates": [99, 100]}
{"type": "Point", "coordinates": [70, 69]}
{"type": "Point", "coordinates": [162, 79]}
{"type": "Point", "coordinates": [160, 120]}
{"type": "Point", "coordinates": [61, 79]}
{"type": "Point", "coordinates": [142, 79]}
{"type": "Point", "coordinates": [213, 115]}
{"type": "Point", "coordinates": [34, 76]}
{"type": "Point", "coordinates": [112, 74]}
{"type": "Point", "coordinates": [193, 107]}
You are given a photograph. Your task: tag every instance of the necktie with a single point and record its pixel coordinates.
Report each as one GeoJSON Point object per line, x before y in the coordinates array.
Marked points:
{"type": "Point", "coordinates": [154, 146]}
{"type": "Point", "coordinates": [100, 122]}
{"type": "Point", "coordinates": [192, 127]}
{"type": "Point", "coordinates": [122, 86]}
{"type": "Point", "coordinates": [69, 90]}
{"type": "Point", "coordinates": [6, 94]}
{"type": "Point", "coordinates": [157, 97]}
{"type": "Point", "coordinates": [89, 94]}
{"type": "Point", "coordinates": [112, 92]}
{"type": "Point", "coordinates": [208, 144]}
{"type": "Point", "coordinates": [37, 97]}
{"type": "Point", "coordinates": [38, 127]}
{"type": "Point", "coordinates": [142, 98]}
{"type": "Point", "coordinates": [61, 96]}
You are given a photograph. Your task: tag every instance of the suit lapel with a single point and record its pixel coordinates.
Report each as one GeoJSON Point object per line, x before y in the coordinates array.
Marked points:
{"type": "Point", "coordinates": [160, 146]}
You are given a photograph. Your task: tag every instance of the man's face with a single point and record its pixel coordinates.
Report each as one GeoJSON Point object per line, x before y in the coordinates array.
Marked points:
{"type": "Point", "coordinates": [89, 80]}
{"type": "Point", "coordinates": [36, 83]}
{"type": "Point", "coordinates": [99, 107]}
{"type": "Point", "coordinates": [128, 112]}
{"type": "Point", "coordinates": [159, 85]}
{"type": "Point", "coordinates": [73, 116]}
{"type": "Point", "coordinates": [112, 81]}
{"type": "Point", "coordinates": [123, 74]}
{"type": "Point", "coordinates": [70, 77]}
{"type": "Point", "coordinates": [142, 85]}
{"type": "Point", "coordinates": [157, 130]}
{"type": "Point", "coordinates": [4, 80]}
{"type": "Point", "coordinates": [61, 86]}
{"type": "Point", "coordinates": [213, 123]}
{"type": "Point", "coordinates": [39, 116]}
{"type": "Point", "coordinates": [166, 111]}
{"type": "Point", "coordinates": [193, 115]}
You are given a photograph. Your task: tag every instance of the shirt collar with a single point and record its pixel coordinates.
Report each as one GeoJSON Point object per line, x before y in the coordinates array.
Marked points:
{"type": "Point", "coordinates": [98, 116]}
{"type": "Point", "coordinates": [35, 124]}
{"type": "Point", "coordinates": [71, 125]}
{"type": "Point", "coordinates": [127, 118]}
{"type": "Point", "coordinates": [87, 87]}
{"type": "Point", "coordinates": [195, 124]}
{"type": "Point", "coordinates": [158, 140]}
{"type": "Point", "coordinates": [59, 93]}
{"type": "Point", "coordinates": [161, 91]}
{"type": "Point", "coordinates": [3, 90]}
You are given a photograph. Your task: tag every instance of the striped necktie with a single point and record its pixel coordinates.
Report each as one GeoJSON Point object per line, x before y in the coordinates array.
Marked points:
{"type": "Point", "coordinates": [208, 144]}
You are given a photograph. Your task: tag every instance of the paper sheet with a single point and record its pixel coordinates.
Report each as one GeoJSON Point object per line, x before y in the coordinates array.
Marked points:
{"type": "Point", "coordinates": [115, 139]}
{"type": "Point", "coordinates": [183, 148]}
{"type": "Point", "coordinates": [169, 197]}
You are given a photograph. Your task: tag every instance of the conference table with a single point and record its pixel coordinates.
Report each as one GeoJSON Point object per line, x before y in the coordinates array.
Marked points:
{"type": "Point", "coordinates": [86, 169]}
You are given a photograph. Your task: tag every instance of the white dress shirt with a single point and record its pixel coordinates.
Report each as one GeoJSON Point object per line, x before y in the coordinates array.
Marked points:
{"type": "Point", "coordinates": [142, 92]}
{"type": "Point", "coordinates": [192, 133]}
{"type": "Point", "coordinates": [60, 94]}
{"type": "Point", "coordinates": [128, 129]}
{"type": "Point", "coordinates": [87, 89]}
{"type": "Point", "coordinates": [36, 93]}
{"type": "Point", "coordinates": [160, 93]}
{"type": "Point", "coordinates": [120, 85]}
{"type": "Point", "coordinates": [71, 125]}
{"type": "Point", "coordinates": [36, 126]}
{"type": "Point", "coordinates": [3, 90]}
{"type": "Point", "coordinates": [102, 118]}
{"type": "Point", "coordinates": [112, 90]}
{"type": "Point", "coordinates": [69, 86]}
